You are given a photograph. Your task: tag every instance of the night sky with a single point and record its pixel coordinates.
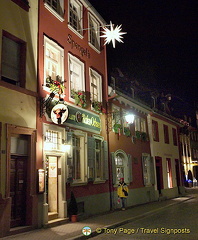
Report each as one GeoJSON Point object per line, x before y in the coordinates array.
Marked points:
{"type": "Point", "coordinates": [160, 47]}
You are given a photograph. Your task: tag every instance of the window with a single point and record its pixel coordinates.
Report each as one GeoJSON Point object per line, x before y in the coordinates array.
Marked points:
{"type": "Point", "coordinates": [53, 60]}
{"type": "Point", "coordinates": [76, 76]}
{"type": "Point", "coordinates": [95, 86]}
{"type": "Point", "coordinates": [121, 166]}
{"type": "Point", "coordinates": [13, 60]}
{"type": "Point", "coordinates": [97, 159]}
{"type": "Point", "coordinates": [174, 131]}
{"type": "Point", "coordinates": [148, 169]}
{"type": "Point", "coordinates": [76, 159]}
{"type": "Point", "coordinates": [155, 131]}
{"type": "Point", "coordinates": [75, 15]}
{"type": "Point", "coordinates": [140, 124]}
{"type": "Point", "coordinates": [53, 138]}
{"type": "Point", "coordinates": [169, 172]}
{"type": "Point", "coordinates": [166, 134]}
{"type": "Point", "coordinates": [94, 32]}
{"type": "Point", "coordinates": [56, 7]}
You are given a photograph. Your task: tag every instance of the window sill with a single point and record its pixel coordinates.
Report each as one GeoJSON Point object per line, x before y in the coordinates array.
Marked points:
{"type": "Point", "coordinates": [74, 31]}
{"type": "Point", "coordinates": [94, 48]}
{"type": "Point", "coordinates": [18, 89]}
{"type": "Point", "coordinates": [99, 181]}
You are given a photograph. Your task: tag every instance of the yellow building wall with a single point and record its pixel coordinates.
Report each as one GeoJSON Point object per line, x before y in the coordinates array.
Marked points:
{"type": "Point", "coordinates": [16, 107]}
{"type": "Point", "coordinates": [164, 150]}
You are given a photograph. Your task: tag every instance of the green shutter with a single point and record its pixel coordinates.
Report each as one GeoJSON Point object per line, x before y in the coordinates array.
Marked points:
{"type": "Point", "coordinates": [152, 172]}
{"type": "Point", "coordinates": [70, 155]}
{"type": "Point", "coordinates": [91, 152]}
{"type": "Point", "coordinates": [105, 157]}
{"type": "Point", "coordinates": [113, 167]}
{"type": "Point", "coordinates": [130, 175]}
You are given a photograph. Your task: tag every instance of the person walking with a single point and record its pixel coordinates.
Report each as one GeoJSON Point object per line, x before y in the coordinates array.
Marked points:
{"type": "Point", "coordinates": [122, 192]}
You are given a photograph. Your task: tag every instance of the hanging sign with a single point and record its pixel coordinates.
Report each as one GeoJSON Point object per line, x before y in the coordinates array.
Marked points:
{"type": "Point", "coordinates": [59, 113]}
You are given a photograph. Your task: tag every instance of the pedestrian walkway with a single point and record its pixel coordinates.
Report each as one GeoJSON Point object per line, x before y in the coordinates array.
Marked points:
{"type": "Point", "coordinates": [71, 231]}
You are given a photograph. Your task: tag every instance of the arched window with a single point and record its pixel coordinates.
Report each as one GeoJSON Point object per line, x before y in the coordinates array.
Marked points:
{"type": "Point", "coordinates": [121, 166]}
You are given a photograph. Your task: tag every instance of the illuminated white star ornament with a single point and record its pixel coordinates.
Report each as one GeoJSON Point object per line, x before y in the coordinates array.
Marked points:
{"type": "Point", "coordinates": [112, 34]}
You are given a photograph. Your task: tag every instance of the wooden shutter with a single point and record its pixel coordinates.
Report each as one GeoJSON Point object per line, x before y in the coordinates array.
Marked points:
{"type": "Point", "coordinates": [130, 175]}
{"type": "Point", "coordinates": [113, 167]}
{"type": "Point", "coordinates": [70, 154]}
{"type": "Point", "coordinates": [105, 158]}
{"type": "Point", "coordinates": [152, 172]}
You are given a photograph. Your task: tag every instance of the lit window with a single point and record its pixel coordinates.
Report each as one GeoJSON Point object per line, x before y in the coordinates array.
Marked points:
{"type": "Point", "coordinates": [53, 60]}
{"type": "Point", "coordinates": [76, 76]}
{"type": "Point", "coordinates": [95, 86]}
{"type": "Point", "coordinates": [13, 60]}
{"type": "Point", "coordinates": [148, 171]}
{"type": "Point", "coordinates": [75, 15]}
{"type": "Point", "coordinates": [122, 167]}
{"type": "Point", "coordinates": [140, 124]}
{"type": "Point", "coordinates": [169, 172]}
{"type": "Point", "coordinates": [76, 160]}
{"type": "Point", "coordinates": [51, 138]}
{"type": "Point", "coordinates": [94, 32]}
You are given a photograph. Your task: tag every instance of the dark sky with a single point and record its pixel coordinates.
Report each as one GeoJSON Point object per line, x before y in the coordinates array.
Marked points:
{"type": "Point", "coordinates": [160, 47]}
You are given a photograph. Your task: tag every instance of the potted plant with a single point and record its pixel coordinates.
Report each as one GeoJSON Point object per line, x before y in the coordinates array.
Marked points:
{"type": "Point", "coordinates": [73, 208]}
{"type": "Point", "coordinates": [117, 128]}
{"type": "Point", "coordinates": [127, 132]}
{"type": "Point", "coordinates": [79, 97]}
{"type": "Point", "coordinates": [97, 106]}
{"type": "Point", "coordinates": [56, 86]}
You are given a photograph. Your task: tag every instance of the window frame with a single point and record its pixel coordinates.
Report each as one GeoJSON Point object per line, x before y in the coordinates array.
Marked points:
{"type": "Point", "coordinates": [174, 134]}
{"type": "Point", "coordinates": [155, 131]}
{"type": "Point", "coordinates": [95, 29]}
{"type": "Point", "coordinates": [79, 14]}
{"type": "Point", "coordinates": [58, 14]}
{"type": "Point", "coordinates": [83, 158]}
{"type": "Point", "coordinates": [22, 60]}
{"type": "Point", "coordinates": [74, 60]}
{"type": "Point", "coordinates": [98, 79]}
{"type": "Point", "coordinates": [166, 134]}
{"type": "Point", "coordinates": [48, 43]}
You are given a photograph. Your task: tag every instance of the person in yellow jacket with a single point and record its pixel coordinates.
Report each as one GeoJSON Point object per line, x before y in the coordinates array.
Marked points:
{"type": "Point", "coordinates": [122, 192]}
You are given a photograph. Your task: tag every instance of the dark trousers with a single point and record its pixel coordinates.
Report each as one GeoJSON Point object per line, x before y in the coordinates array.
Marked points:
{"type": "Point", "coordinates": [123, 202]}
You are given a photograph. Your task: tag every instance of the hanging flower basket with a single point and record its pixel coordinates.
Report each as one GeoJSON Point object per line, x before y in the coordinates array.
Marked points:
{"type": "Point", "coordinates": [127, 132]}
{"type": "Point", "coordinates": [138, 134]}
{"type": "Point", "coordinates": [80, 98]}
{"type": "Point", "coordinates": [117, 128]}
{"type": "Point", "coordinates": [97, 106]}
{"type": "Point", "coordinates": [56, 86]}
{"type": "Point", "coordinates": [144, 137]}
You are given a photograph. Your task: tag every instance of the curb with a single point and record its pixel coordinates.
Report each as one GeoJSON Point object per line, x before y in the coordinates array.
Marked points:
{"type": "Point", "coordinates": [118, 224]}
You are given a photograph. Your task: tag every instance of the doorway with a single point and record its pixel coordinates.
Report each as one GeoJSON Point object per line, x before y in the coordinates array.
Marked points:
{"type": "Point", "coordinates": [159, 175]}
{"type": "Point", "coordinates": [52, 187]}
{"type": "Point", "coordinates": [18, 188]}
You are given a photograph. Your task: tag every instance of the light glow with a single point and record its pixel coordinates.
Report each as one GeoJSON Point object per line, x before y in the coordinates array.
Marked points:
{"type": "Point", "coordinates": [129, 118]}
{"type": "Point", "coordinates": [112, 34]}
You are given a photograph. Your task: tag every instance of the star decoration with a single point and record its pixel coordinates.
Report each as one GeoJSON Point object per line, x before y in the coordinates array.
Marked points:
{"type": "Point", "coordinates": [112, 34]}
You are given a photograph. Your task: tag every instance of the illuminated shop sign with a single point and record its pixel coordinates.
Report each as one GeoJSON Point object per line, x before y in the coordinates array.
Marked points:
{"type": "Point", "coordinates": [83, 119]}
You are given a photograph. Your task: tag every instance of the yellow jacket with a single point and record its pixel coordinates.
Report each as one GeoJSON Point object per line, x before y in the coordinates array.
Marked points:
{"type": "Point", "coordinates": [122, 186]}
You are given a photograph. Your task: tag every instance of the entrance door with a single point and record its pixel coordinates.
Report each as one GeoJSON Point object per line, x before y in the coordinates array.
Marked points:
{"type": "Point", "coordinates": [18, 180]}
{"type": "Point", "coordinates": [52, 187]}
{"type": "Point", "coordinates": [159, 174]}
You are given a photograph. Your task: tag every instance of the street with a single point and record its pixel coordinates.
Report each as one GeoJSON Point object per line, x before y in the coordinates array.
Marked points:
{"type": "Point", "coordinates": [174, 222]}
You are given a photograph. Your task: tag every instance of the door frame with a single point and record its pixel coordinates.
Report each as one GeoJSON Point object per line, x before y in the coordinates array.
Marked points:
{"type": "Point", "coordinates": [62, 204]}
{"type": "Point", "coordinates": [31, 188]}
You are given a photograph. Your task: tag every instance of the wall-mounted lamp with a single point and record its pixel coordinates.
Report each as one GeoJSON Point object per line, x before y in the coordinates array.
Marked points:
{"type": "Point", "coordinates": [130, 118]}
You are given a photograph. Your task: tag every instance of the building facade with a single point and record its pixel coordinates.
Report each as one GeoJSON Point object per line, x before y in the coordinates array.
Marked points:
{"type": "Point", "coordinates": [72, 82]}
{"type": "Point", "coordinates": [129, 149]}
{"type": "Point", "coordinates": [18, 94]}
